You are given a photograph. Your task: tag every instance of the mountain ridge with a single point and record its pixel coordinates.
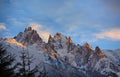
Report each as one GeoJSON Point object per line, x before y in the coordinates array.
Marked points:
{"type": "Point", "coordinates": [62, 49]}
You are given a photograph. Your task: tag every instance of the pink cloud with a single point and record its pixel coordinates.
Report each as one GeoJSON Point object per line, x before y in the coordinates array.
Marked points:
{"type": "Point", "coordinates": [111, 34]}
{"type": "Point", "coordinates": [2, 26]}
{"type": "Point", "coordinates": [43, 34]}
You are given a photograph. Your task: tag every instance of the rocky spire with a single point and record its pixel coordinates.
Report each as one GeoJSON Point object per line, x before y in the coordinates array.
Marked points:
{"type": "Point", "coordinates": [70, 40]}
{"type": "Point", "coordinates": [99, 52]}
{"type": "Point", "coordinates": [50, 39]}
{"type": "Point", "coordinates": [50, 36]}
{"type": "Point", "coordinates": [88, 46]}
{"type": "Point", "coordinates": [29, 36]}
{"type": "Point", "coordinates": [28, 29]}
{"type": "Point", "coordinates": [58, 34]}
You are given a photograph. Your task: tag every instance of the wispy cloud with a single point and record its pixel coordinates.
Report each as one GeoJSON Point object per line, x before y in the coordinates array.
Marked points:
{"type": "Point", "coordinates": [43, 34]}
{"type": "Point", "coordinates": [2, 26]}
{"type": "Point", "coordinates": [111, 34]}
{"type": "Point", "coordinates": [4, 31]}
{"type": "Point", "coordinates": [16, 22]}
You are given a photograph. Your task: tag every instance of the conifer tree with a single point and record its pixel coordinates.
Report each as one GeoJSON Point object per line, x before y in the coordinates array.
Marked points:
{"type": "Point", "coordinates": [24, 67]}
{"type": "Point", "coordinates": [43, 72]}
{"type": "Point", "coordinates": [6, 63]}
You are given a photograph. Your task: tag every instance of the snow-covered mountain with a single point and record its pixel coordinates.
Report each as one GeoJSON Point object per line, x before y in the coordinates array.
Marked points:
{"type": "Point", "coordinates": [62, 58]}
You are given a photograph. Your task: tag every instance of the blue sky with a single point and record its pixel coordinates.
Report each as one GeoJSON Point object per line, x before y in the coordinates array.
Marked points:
{"type": "Point", "coordinates": [94, 21]}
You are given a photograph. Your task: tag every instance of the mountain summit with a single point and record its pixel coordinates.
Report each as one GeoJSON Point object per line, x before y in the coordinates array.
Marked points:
{"type": "Point", "coordinates": [61, 57]}
{"type": "Point", "coordinates": [29, 36]}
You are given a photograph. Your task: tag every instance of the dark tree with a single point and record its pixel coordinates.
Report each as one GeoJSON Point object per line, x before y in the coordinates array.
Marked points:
{"type": "Point", "coordinates": [43, 73]}
{"type": "Point", "coordinates": [6, 63]}
{"type": "Point", "coordinates": [24, 67]}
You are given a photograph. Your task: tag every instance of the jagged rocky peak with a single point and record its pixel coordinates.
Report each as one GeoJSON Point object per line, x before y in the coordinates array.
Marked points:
{"type": "Point", "coordinates": [97, 49]}
{"type": "Point", "coordinates": [50, 37]}
{"type": "Point", "coordinates": [59, 38]}
{"type": "Point", "coordinates": [28, 29]}
{"type": "Point", "coordinates": [99, 52]}
{"type": "Point", "coordinates": [70, 40]}
{"type": "Point", "coordinates": [58, 34]}
{"type": "Point", "coordinates": [88, 46]}
{"type": "Point", "coordinates": [29, 36]}
{"type": "Point", "coordinates": [61, 42]}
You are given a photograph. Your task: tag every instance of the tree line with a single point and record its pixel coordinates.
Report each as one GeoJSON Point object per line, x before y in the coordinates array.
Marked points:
{"type": "Point", "coordinates": [8, 67]}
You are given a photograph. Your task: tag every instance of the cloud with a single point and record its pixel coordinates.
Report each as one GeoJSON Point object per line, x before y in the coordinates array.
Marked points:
{"type": "Point", "coordinates": [111, 34]}
{"type": "Point", "coordinates": [2, 26]}
{"type": "Point", "coordinates": [43, 34]}
{"type": "Point", "coordinates": [17, 21]}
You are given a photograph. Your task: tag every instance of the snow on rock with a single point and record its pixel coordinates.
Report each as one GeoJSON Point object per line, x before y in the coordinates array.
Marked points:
{"type": "Point", "coordinates": [28, 37]}
{"type": "Point", "coordinates": [60, 52]}
{"type": "Point", "coordinates": [79, 56]}
{"type": "Point", "coordinates": [13, 41]}
{"type": "Point", "coordinates": [113, 55]}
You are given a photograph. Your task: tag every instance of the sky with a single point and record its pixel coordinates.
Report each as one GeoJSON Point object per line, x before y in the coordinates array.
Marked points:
{"type": "Point", "coordinates": [94, 21]}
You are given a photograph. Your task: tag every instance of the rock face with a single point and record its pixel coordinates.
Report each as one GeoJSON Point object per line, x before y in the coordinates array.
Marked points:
{"type": "Point", "coordinates": [64, 58]}
{"type": "Point", "coordinates": [84, 57]}
{"type": "Point", "coordinates": [28, 37]}
{"type": "Point", "coordinates": [94, 58]}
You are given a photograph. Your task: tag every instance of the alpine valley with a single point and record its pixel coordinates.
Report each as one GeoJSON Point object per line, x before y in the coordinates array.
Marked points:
{"type": "Point", "coordinates": [61, 57]}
